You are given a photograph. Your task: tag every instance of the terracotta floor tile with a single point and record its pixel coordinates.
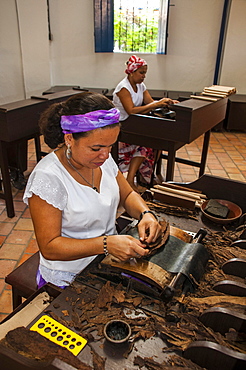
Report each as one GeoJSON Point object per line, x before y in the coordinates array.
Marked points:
{"type": "Point", "coordinates": [2, 239]}
{"type": "Point", "coordinates": [19, 237]}
{"type": "Point", "coordinates": [242, 165]}
{"type": "Point", "coordinates": [236, 157]}
{"type": "Point", "coordinates": [24, 258]}
{"type": "Point", "coordinates": [5, 228]}
{"type": "Point", "coordinates": [32, 247]}
{"type": "Point", "coordinates": [19, 196]}
{"type": "Point", "coordinates": [215, 166]}
{"type": "Point", "coordinates": [6, 302]}
{"type": "Point", "coordinates": [12, 251]}
{"type": "Point", "coordinates": [5, 218]}
{"type": "Point", "coordinates": [6, 266]}
{"type": "Point", "coordinates": [26, 213]}
{"type": "Point", "coordinates": [19, 205]}
{"type": "Point", "coordinates": [2, 208]}
{"type": "Point", "coordinates": [24, 224]}
{"type": "Point", "coordinates": [232, 170]}
{"type": "Point", "coordinates": [2, 317]}
{"type": "Point", "coordinates": [230, 164]}
{"type": "Point", "coordinates": [2, 202]}
{"type": "Point", "coordinates": [220, 173]}
{"type": "Point", "coordinates": [235, 176]}
{"type": "Point", "coordinates": [2, 285]}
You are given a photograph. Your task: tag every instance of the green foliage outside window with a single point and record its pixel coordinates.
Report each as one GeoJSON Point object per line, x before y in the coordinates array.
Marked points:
{"type": "Point", "coordinates": [134, 33]}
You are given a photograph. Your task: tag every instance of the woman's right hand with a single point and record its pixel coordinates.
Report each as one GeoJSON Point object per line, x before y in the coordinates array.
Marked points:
{"type": "Point", "coordinates": [125, 247]}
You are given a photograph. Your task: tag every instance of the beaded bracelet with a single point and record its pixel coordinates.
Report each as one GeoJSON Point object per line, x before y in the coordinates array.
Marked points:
{"type": "Point", "coordinates": [105, 245]}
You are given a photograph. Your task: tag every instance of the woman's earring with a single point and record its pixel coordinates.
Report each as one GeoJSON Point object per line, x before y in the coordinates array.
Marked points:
{"type": "Point", "coordinates": [68, 151]}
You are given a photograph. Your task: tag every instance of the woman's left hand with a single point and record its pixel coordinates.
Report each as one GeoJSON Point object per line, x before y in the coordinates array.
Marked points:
{"type": "Point", "coordinates": [148, 228]}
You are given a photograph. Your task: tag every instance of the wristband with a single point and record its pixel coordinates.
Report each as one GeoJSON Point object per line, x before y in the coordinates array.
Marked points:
{"type": "Point", "coordinates": [105, 245]}
{"type": "Point", "coordinates": [143, 213]}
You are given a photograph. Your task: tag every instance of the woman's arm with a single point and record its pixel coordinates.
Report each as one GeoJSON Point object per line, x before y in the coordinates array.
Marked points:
{"type": "Point", "coordinates": [47, 225]}
{"type": "Point", "coordinates": [126, 100]}
{"type": "Point", "coordinates": [149, 228]}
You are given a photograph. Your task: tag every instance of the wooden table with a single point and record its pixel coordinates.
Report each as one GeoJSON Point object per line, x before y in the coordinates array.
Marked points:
{"type": "Point", "coordinates": [193, 118]}
{"type": "Point", "coordinates": [67, 302]}
{"type": "Point", "coordinates": [18, 122]}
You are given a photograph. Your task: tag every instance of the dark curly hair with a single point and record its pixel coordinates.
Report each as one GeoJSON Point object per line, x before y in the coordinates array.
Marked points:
{"type": "Point", "coordinates": [82, 103]}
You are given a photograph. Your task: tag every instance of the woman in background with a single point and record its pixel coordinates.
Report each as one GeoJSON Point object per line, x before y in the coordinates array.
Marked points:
{"type": "Point", "coordinates": [131, 97]}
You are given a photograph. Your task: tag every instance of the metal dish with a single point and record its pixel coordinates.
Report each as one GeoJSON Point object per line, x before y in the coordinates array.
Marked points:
{"type": "Point", "coordinates": [234, 212]}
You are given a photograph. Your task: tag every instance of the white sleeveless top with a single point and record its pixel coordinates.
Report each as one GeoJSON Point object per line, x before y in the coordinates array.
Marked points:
{"type": "Point", "coordinates": [137, 97]}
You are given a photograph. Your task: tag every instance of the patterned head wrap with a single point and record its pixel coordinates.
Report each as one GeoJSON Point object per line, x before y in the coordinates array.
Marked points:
{"type": "Point", "coordinates": [89, 121]}
{"type": "Point", "coordinates": [134, 63]}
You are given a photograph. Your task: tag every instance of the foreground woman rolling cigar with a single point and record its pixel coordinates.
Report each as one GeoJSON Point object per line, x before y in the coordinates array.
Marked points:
{"type": "Point", "coordinates": [74, 192]}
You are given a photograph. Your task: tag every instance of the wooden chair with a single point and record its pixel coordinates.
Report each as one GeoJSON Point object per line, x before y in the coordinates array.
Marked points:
{"type": "Point", "coordinates": [23, 280]}
{"type": "Point", "coordinates": [235, 267]}
{"type": "Point", "coordinates": [222, 319]}
{"type": "Point", "coordinates": [213, 356]}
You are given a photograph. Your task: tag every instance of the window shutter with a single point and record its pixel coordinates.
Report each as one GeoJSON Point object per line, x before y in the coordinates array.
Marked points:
{"type": "Point", "coordinates": [104, 25]}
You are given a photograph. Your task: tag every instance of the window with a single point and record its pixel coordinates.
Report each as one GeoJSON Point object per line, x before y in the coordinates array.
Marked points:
{"type": "Point", "coordinates": [131, 25]}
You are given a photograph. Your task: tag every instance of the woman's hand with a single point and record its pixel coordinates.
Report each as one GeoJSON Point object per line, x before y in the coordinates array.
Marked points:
{"type": "Point", "coordinates": [125, 247]}
{"type": "Point", "coordinates": [166, 101]}
{"type": "Point", "coordinates": [148, 228]}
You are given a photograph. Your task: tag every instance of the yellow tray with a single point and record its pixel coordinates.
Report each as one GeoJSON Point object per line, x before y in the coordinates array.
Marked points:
{"type": "Point", "coordinates": [59, 334]}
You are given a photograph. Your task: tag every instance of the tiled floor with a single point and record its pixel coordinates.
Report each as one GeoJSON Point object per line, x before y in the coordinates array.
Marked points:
{"type": "Point", "coordinates": [226, 158]}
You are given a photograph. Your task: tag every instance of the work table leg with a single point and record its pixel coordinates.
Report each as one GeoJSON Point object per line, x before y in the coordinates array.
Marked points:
{"type": "Point", "coordinates": [7, 191]}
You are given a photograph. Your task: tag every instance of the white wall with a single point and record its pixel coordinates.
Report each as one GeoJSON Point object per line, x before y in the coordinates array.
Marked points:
{"type": "Point", "coordinates": [32, 16]}
{"type": "Point", "coordinates": [194, 27]}
{"type": "Point", "coordinates": [234, 63]}
{"type": "Point", "coordinates": [30, 63]}
{"type": "Point", "coordinates": [11, 72]}
{"type": "Point", "coordinates": [24, 49]}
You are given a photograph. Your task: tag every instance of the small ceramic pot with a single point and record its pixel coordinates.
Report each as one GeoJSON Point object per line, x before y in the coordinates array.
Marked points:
{"type": "Point", "coordinates": [117, 331]}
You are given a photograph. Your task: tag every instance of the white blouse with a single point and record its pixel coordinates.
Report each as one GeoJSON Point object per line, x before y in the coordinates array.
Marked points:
{"type": "Point", "coordinates": [85, 213]}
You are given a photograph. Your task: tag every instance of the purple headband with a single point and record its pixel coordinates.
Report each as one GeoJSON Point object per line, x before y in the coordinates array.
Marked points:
{"type": "Point", "coordinates": [89, 121]}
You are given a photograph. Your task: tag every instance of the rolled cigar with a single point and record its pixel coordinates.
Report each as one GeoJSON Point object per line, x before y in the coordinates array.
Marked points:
{"type": "Point", "coordinates": [179, 187]}
{"type": "Point", "coordinates": [203, 97]}
{"type": "Point", "coordinates": [178, 192]}
{"type": "Point", "coordinates": [174, 199]}
{"type": "Point", "coordinates": [183, 188]}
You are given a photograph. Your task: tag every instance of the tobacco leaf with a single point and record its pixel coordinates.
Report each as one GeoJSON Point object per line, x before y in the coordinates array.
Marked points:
{"type": "Point", "coordinates": [149, 363]}
{"type": "Point", "coordinates": [173, 210]}
{"type": "Point", "coordinates": [105, 295]}
{"type": "Point", "coordinates": [98, 361]}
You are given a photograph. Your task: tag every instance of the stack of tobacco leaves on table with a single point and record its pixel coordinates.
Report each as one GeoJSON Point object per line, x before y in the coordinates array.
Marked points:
{"type": "Point", "coordinates": [95, 313]}
{"type": "Point", "coordinates": [178, 334]}
{"type": "Point", "coordinates": [169, 209]}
